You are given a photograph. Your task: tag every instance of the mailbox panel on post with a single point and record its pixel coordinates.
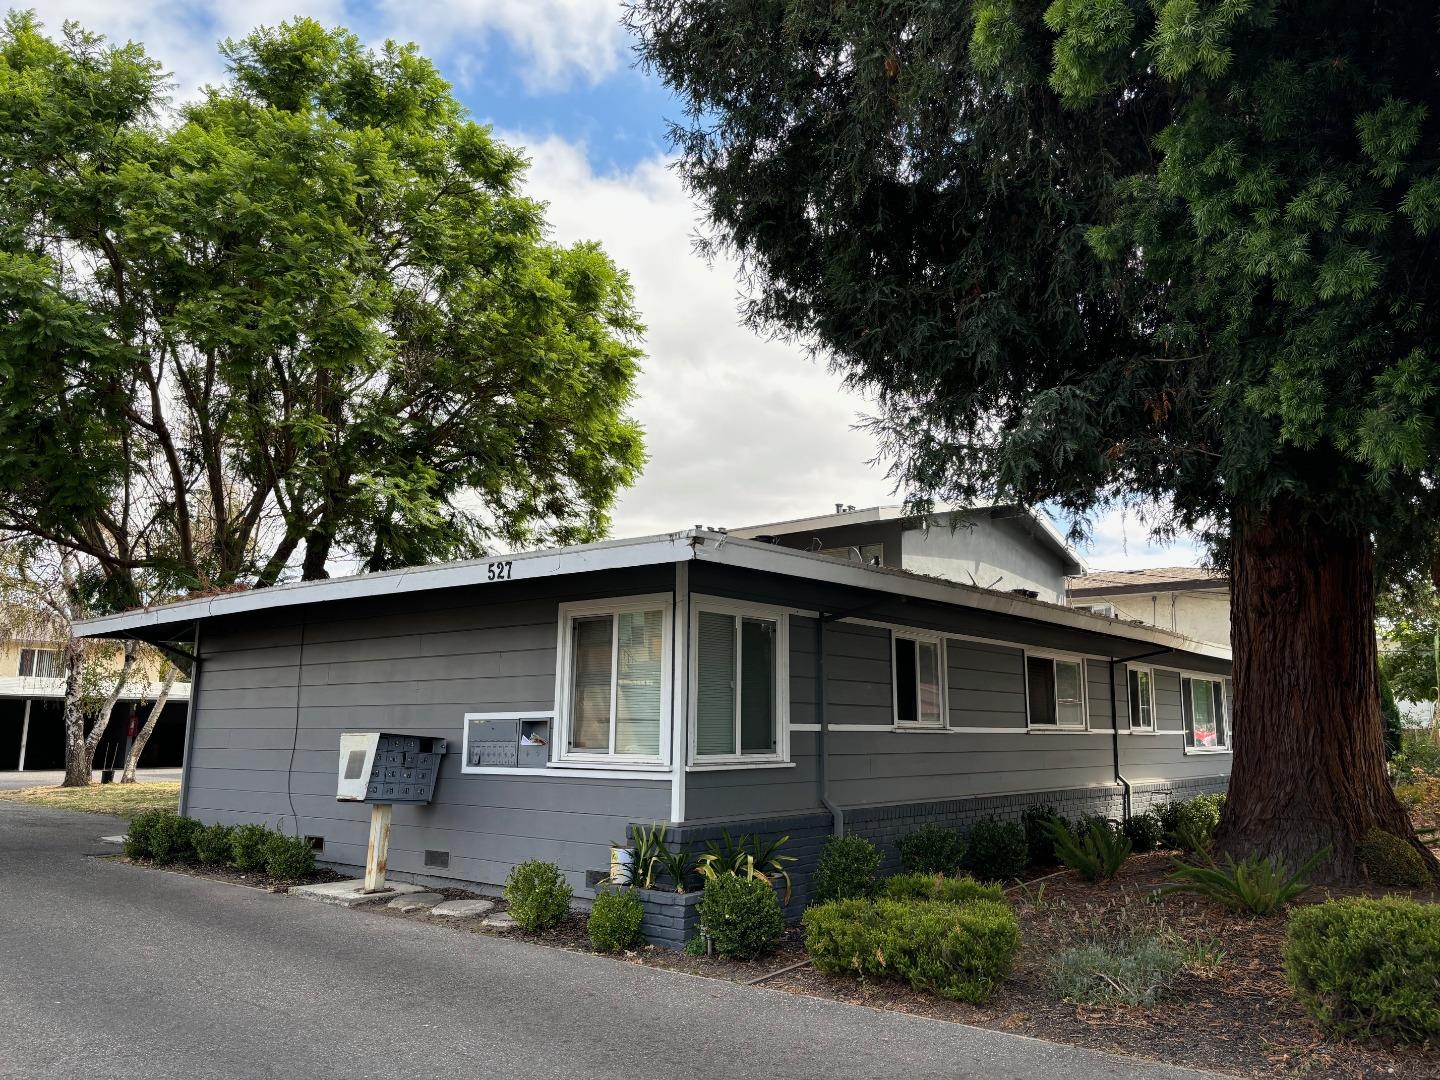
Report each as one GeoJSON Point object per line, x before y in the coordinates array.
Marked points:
{"type": "Point", "coordinates": [388, 767]}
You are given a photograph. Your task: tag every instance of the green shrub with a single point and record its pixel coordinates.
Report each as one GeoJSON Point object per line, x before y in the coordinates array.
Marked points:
{"type": "Point", "coordinates": [138, 843]}
{"type": "Point", "coordinates": [1039, 844]}
{"type": "Point", "coordinates": [1368, 967]}
{"type": "Point", "coordinates": [1418, 754]}
{"type": "Point", "coordinates": [212, 845]}
{"type": "Point", "coordinates": [615, 919]}
{"type": "Point", "coordinates": [172, 838]}
{"type": "Point", "coordinates": [1390, 860]}
{"type": "Point", "coordinates": [741, 916]}
{"type": "Point", "coordinates": [1196, 821]}
{"type": "Point", "coordinates": [1144, 831]}
{"type": "Point", "coordinates": [1259, 886]}
{"type": "Point", "coordinates": [931, 849]}
{"type": "Point", "coordinates": [962, 890]}
{"type": "Point", "coordinates": [996, 850]}
{"type": "Point", "coordinates": [247, 848]}
{"type": "Point", "coordinates": [1169, 815]}
{"type": "Point", "coordinates": [288, 858]}
{"type": "Point", "coordinates": [538, 895]}
{"type": "Point", "coordinates": [848, 866]}
{"type": "Point", "coordinates": [1096, 854]}
{"type": "Point", "coordinates": [959, 951]}
{"type": "Point", "coordinates": [1133, 969]}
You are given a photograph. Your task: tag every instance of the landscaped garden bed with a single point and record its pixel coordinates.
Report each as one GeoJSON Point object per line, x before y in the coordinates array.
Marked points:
{"type": "Point", "coordinates": [1111, 957]}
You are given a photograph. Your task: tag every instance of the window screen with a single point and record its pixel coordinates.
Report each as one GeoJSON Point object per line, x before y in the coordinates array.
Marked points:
{"type": "Point", "coordinates": [1142, 700]}
{"type": "Point", "coordinates": [736, 686]}
{"type": "Point", "coordinates": [918, 694]}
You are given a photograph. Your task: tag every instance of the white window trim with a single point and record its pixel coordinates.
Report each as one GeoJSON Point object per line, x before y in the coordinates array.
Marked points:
{"type": "Point", "coordinates": [1154, 728]}
{"type": "Point", "coordinates": [1074, 658]}
{"type": "Point", "coordinates": [38, 651]}
{"type": "Point", "coordinates": [929, 637]}
{"type": "Point", "coordinates": [781, 617]}
{"type": "Point", "coordinates": [564, 667]}
{"type": "Point", "coordinates": [1227, 727]}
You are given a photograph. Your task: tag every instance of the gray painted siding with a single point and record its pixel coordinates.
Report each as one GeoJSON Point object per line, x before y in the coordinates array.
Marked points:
{"type": "Point", "coordinates": [987, 685]}
{"type": "Point", "coordinates": [1161, 756]}
{"type": "Point", "coordinates": [273, 702]}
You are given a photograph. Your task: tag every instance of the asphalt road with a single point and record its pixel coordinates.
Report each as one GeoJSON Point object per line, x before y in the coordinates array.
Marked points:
{"type": "Point", "coordinates": [115, 971]}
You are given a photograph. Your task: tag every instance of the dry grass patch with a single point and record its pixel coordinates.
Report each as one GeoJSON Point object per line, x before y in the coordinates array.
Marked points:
{"type": "Point", "coordinates": [121, 800]}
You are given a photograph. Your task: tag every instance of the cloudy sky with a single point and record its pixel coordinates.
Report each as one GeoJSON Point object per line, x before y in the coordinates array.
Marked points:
{"type": "Point", "coordinates": [740, 430]}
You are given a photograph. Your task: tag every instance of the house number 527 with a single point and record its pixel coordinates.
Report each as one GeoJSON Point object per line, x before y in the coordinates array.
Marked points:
{"type": "Point", "coordinates": [500, 571]}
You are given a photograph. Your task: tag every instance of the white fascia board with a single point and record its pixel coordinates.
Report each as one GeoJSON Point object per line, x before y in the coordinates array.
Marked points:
{"type": "Point", "coordinates": [615, 554]}
{"type": "Point", "coordinates": [752, 555]}
{"type": "Point", "coordinates": [24, 686]}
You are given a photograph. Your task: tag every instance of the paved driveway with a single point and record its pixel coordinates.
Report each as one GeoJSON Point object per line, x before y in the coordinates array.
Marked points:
{"type": "Point", "coordinates": [115, 971]}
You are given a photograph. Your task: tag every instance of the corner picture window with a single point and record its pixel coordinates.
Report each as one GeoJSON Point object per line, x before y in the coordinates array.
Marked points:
{"type": "Point", "coordinates": [1056, 691]}
{"type": "Point", "coordinates": [39, 664]}
{"type": "Point", "coordinates": [1206, 711]}
{"type": "Point", "coordinates": [738, 680]}
{"type": "Point", "coordinates": [1142, 700]}
{"type": "Point", "coordinates": [616, 686]}
{"type": "Point", "coordinates": [919, 697]}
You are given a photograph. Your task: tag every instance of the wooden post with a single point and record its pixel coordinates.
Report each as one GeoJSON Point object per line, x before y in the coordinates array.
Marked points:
{"type": "Point", "coordinates": [379, 849]}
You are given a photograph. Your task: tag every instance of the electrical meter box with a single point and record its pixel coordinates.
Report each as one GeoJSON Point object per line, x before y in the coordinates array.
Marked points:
{"type": "Point", "coordinates": [386, 767]}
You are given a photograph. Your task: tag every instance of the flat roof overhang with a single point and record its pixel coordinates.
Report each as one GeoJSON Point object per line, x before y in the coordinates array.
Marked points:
{"type": "Point", "coordinates": [172, 622]}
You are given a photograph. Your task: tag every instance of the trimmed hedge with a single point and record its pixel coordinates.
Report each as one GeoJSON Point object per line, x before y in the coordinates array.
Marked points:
{"type": "Point", "coordinates": [959, 951]}
{"type": "Point", "coordinates": [931, 849]}
{"type": "Point", "coordinates": [848, 867]}
{"type": "Point", "coordinates": [615, 918]}
{"type": "Point", "coordinates": [172, 838]}
{"type": "Point", "coordinates": [288, 857]}
{"type": "Point", "coordinates": [212, 845]}
{"type": "Point", "coordinates": [538, 895]}
{"type": "Point", "coordinates": [1368, 967]}
{"type": "Point", "coordinates": [247, 848]}
{"type": "Point", "coordinates": [1145, 832]}
{"type": "Point", "coordinates": [961, 890]}
{"type": "Point", "coordinates": [741, 916]}
{"type": "Point", "coordinates": [996, 850]}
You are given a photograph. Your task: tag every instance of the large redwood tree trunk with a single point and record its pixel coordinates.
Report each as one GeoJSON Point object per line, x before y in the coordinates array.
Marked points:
{"type": "Point", "coordinates": [1309, 765]}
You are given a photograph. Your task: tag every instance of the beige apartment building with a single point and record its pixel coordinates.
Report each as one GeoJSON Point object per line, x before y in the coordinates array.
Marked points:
{"type": "Point", "coordinates": [32, 694]}
{"type": "Point", "coordinates": [1182, 599]}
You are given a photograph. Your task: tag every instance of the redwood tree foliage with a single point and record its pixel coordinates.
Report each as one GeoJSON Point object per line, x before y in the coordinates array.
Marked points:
{"type": "Point", "coordinates": [1092, 251]}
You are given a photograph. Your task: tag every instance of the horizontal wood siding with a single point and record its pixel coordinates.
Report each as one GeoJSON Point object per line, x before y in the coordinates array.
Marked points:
{"type": "Point", "coordinates": [273, 702]}
{"type": "Point", "coordinates": [987, 685]}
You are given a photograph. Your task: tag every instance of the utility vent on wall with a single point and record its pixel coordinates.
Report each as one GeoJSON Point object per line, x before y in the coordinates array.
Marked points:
{"type": "Point", "coordinates": [437, 858]}
{"type": "Point", "coordinates": [317, 843]}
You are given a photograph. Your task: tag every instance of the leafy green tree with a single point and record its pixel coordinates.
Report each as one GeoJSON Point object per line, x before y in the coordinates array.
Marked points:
{"type": "Point", "coordinates": [311, 316]}
{"type": "Point", "coordinates": [1100, 251]}
{"type": "Point", "coordinates": [1409, 628]}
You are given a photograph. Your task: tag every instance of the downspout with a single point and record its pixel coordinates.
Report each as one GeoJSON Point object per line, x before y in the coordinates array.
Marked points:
{"type": "Point", "coordinates": [1115, 742]}
{"type": "Point", "coordinates": [1115, 724]}
{"type": "Point", "coordinates": [836, 816]}
{"type": "Point", "coordinates": [190, 722]}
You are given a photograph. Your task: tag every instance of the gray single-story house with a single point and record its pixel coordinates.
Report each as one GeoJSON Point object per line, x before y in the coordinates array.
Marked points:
{"type": "Point", "coordinates": [694, 678]}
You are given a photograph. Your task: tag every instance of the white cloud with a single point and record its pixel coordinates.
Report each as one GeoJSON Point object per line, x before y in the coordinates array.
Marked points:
{"type": "Point", "coordinates": [1120, 540]}
{"type": "Point", "coordinates": [739, 430]}
{"type": "Point", "coordinates": [559, 39]}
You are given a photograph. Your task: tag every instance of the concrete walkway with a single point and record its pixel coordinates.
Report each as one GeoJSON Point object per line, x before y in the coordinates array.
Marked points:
{"type": "Point", "coordinates": [117, 971]}
{"type": "Point", "coordinates": [47, 777]}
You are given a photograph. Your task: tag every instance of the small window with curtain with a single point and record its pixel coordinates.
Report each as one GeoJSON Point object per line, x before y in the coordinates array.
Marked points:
{"type": "Point", "coordinates": [615, 665]}
{"type": "Point", "coordinates": [919, 690]}
{"type": "Point", "coordinates": [1142, 699]}
{"type": "Point", "coordinates": [739, 678]}
{"type": "Point", "coordinates": [1206, 709]}
{"type": "Point", "coordinates": [1055, 687]}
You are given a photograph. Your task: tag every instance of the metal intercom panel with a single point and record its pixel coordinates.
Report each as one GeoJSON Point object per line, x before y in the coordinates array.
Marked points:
{"type": "Point", "coordinates": [388, 767]}
{"type": "Point", "coordinates": [513, 740]}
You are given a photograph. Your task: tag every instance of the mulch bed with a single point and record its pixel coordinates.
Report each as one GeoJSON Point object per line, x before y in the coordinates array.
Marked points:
{"type": "Point", "coordinates": [1235, 1015]}
{"type": "Point", "coordinates": [263, 882]}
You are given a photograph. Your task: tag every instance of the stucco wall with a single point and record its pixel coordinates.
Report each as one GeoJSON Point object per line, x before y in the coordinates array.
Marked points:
{"type": "Point", "coordinates": [1203, 615]}
{"type": "Point", "coordinates": [993, 553]}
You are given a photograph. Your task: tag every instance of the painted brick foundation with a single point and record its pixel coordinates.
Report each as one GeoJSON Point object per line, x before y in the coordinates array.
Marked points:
{"type": "Point", "coordinates": [671, 919]}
